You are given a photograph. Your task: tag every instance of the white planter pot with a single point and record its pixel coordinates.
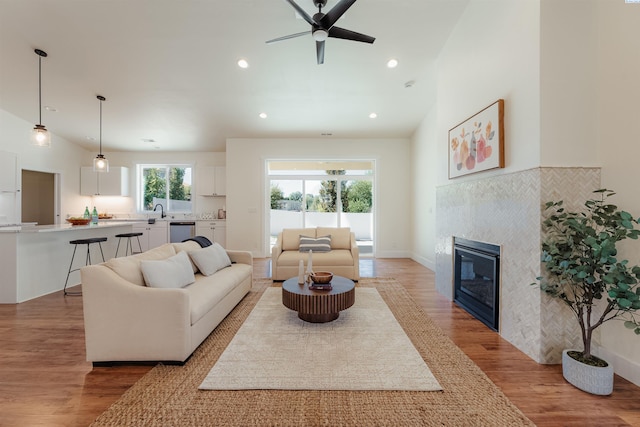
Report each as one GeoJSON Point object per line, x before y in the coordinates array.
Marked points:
{"type": "Point", "coordinates": [592, 379]}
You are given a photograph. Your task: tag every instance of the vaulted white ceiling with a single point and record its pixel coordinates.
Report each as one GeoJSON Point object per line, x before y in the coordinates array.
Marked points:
{"type": "Point", "coordinates": [168, 70]}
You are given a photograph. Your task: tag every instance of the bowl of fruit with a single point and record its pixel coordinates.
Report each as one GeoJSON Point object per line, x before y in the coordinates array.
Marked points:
{"type": "Point", "coordinates": [78, 220]}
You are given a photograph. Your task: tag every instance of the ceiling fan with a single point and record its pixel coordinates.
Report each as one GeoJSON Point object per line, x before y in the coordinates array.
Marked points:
{"type": "Point", "coordinates": [322, 26]}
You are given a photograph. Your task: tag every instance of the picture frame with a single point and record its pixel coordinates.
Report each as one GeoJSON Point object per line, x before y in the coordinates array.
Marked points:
{"type": "Point", "coordinates": [477, 143]}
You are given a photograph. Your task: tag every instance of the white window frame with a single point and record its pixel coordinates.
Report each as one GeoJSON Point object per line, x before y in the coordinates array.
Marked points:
{"type": "Point", "coordinates": [140, 185]}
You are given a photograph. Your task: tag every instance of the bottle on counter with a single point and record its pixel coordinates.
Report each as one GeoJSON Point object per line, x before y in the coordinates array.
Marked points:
{"type": "Point", "coordinates": [94, 216]}
{"type": "Point", "coordinates": [86, 215]}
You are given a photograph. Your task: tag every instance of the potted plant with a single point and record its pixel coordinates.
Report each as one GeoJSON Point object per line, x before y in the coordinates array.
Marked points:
{"type": "Point", "coordinates": [580, 255]}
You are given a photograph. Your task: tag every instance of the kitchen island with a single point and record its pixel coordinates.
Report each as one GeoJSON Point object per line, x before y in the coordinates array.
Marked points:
{"type": "Point", "coordinates": [34, 260]}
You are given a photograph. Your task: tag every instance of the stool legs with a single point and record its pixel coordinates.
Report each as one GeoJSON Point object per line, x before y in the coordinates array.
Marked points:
{"type": "Point", "coordinates": [128, 246]}
{"type": "Point", "coordinates": [86, 262]}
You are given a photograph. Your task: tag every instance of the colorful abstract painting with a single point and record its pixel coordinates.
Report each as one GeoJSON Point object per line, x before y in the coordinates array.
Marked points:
{"type": "Point", "coordinates": [477, 144]}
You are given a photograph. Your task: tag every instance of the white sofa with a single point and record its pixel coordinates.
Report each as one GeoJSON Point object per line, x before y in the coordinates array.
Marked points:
{"type": "Point", "coordinates": [343, 259]}
{"type": "Point", "coordinates": [125, 320]}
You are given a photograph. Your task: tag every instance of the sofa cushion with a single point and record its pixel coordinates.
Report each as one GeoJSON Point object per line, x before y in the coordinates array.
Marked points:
{"type": "Point", "coordinates": [291, 237]}
{"type": "Point", "coordinates": [187, 246]}
{"type": "Point", "coordinates": [337, 257]}
{"type": "Point", "coordinates": [207, 291]}
{"type": "Point", "coordinates": [129, 267]}
{"type": "Point", "coordinates": [340, 236]}
{"type": "Point", "coordinates": [210, 259]}
{"type": "Point", "coordinates": [173, 272]}
{"type": "Point", "coordinates": [318, 244]}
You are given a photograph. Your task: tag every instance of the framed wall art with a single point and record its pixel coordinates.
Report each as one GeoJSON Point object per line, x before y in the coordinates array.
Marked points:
{"type": "Point", "coordinates": [477, 144]}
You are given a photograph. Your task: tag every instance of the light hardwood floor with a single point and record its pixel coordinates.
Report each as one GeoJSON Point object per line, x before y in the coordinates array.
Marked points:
{"type": "Point", "coordinates": [45, 381]}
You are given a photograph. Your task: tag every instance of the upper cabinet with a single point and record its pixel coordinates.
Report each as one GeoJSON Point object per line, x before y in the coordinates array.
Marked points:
{"type": "Point", "coordinates": [213, 181]}
{"type": "Point", "coordinates": [8, 172]}
{"type": "Point", "coordinates": [113, 183]}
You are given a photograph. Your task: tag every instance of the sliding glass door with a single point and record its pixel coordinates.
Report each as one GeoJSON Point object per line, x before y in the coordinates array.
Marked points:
{"type": "Point", "coordinates": [308, 194]}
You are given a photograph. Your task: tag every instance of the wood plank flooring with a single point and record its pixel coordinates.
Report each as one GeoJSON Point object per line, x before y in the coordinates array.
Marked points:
{"type": "Point", "coordinates": [45, 381]}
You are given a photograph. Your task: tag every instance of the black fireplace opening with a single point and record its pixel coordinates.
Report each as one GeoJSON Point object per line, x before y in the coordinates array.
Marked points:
{"type": "Point", "coordinates": [477, 279]}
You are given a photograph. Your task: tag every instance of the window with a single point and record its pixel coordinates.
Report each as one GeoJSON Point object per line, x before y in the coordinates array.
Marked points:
{"type": "Point", "coordinates": [322, 194]}
{"type": "Point", "coordinates": [167, 185]}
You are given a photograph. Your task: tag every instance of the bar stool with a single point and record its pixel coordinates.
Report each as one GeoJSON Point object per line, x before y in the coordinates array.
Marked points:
{"type": "Point", "coordinates": [128, 248]}
{"type": "Point", "coordinates": [87, 242]}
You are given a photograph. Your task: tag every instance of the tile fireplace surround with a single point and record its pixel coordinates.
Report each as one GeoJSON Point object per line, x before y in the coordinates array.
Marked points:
{"type": "Point", "coordinates": [506, 210]}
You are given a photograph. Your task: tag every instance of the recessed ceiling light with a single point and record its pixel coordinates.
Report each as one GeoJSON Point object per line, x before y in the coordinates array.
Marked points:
{"type": "Point", "coordinates": [50, 108]}
{"type": "Point", "coordinates": [373, 115]}
{"type": "Point", "coordinates": [90, 138]}
{"type": "Point", "coordinates": [263, 115]}
{"type": "Point", "coordinates": [242, 63]}
{"type": "Point", "coordinates": [148, 140]}
{"type": "Point", "coordinates": [392, 63]}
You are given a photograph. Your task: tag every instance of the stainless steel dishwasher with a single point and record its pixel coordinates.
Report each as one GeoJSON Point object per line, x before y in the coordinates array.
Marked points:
{"type": "Point", "coordinates": [181, 230]}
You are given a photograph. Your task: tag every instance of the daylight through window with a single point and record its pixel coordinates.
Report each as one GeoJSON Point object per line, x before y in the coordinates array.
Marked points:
{"type": "Point", "coordinates": [167, 185]}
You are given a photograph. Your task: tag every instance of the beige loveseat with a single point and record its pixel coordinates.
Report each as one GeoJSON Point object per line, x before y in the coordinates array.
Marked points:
{"type": "Point", "coordinates": [125, 320]}
{"type": "Point", "coordinates": [342, 260]}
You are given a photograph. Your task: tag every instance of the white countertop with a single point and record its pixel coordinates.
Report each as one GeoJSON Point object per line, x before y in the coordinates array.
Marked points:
{"type": "Point", "coordinates": [62, 227]}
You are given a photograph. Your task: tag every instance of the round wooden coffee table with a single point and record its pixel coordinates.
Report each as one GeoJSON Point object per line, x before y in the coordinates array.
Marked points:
{"type": "Point", "coordinates": [318, 306]}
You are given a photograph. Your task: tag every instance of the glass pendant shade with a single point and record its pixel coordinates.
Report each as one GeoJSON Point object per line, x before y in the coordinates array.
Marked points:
{"type": "Point", "coordinates": [100, 164]}
{"type": "Point", "coordinates": [40, 136]}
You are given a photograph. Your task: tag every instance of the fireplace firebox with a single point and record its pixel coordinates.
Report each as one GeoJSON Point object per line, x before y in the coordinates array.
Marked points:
{"type": "Point", "coordinates": [477, 279]}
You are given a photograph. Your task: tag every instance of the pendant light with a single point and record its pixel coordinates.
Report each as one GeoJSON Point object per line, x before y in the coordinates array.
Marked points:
{"type": "Point", "coordinates": [40, 136]}
{"type": "Point", "coordinates": [100, 163]}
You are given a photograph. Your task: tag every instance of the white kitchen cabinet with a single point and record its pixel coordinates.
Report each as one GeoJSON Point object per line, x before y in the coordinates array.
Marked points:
{"type": "Point", "coordinates": [213, 181]}
{"type": "Point", "coordinates": [153, 235]}
{"type": "Point", "coordinates": [216, 231]}
{"type": "Point", "coordinates": [113, 183]}
{"type": "Point", "coordinates": [8, 172]}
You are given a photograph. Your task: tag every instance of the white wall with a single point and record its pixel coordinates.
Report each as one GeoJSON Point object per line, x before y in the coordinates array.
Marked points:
{"type": "Point", "coordinates": [62, 157]}
{"type": "Point", "coordinates": [491, 54]}
{"type": "Point", "coordinates": [568, 71]}
{"type": "Point", "coordinates": [424, 171]}
{"type": "Point", "coordinates": [618, 111]}
{"type": "Point", "coordinates": [247, 204]}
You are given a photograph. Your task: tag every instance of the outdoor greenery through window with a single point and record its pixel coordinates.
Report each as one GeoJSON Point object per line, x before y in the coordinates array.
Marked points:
{"type": "Point", "coordinates": [307, 194]}
{"type": "Point", "coordinates": [167, 185]}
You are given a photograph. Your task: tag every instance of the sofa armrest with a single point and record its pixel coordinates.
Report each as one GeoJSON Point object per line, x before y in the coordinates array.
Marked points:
{"type": "Point", "coordinates": [124, 321]}
{"type": "Point", "coordinates": [355, 250]}
{"type": "Point", "coordinates": [241, 257]}
{"type": "Point", "coordinates": [276, 250]}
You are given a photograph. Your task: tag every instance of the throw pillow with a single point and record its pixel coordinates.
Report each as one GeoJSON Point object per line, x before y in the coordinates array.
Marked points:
{"type": "Point", "coordinates": [173, 272]}
{"type": "Point", "coordinates": [210, 259]}
{"type": "Point", "coordinates": [319, 244]}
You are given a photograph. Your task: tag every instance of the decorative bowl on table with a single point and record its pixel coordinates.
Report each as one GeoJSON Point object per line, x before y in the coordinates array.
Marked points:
{"type": "Point", "coordinates": [78, 221]}
{"type": "Point", "coordinates": [321, 277]}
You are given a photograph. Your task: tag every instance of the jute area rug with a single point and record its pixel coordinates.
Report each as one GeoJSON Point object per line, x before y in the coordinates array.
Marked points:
{"type": "Point", "coordinates": [364, 349]}
{"type": "Point", "coordinates": [169, 395]}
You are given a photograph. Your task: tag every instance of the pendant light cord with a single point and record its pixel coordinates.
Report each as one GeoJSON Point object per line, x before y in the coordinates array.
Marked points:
{"type": "Point", "coordinates": [40, 88]}
{"type": "Point", "coordinates": [100, 126]}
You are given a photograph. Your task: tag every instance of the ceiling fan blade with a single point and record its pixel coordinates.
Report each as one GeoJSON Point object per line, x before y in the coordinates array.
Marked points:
{"type": "Point", "coordinates": [335, 13]}
{"type": "Point", "coordinates": [301, 12]}
{"type": "Point", "coordinates": [320, 52]}
{"type": "Point", "coordinates": [290, 36]}
{"type": "Point", "coordinates": [341, 33]}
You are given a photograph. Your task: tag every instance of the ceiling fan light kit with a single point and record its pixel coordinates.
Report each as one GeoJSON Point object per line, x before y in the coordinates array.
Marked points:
{"type": "Point", "coordinates": [40, 136]}
{"type": "Point", "coordinates": [322, 26]}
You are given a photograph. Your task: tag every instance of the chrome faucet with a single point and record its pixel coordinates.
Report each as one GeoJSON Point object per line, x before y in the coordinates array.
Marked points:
{"type": "Point", "coordinates": [162, 215]}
